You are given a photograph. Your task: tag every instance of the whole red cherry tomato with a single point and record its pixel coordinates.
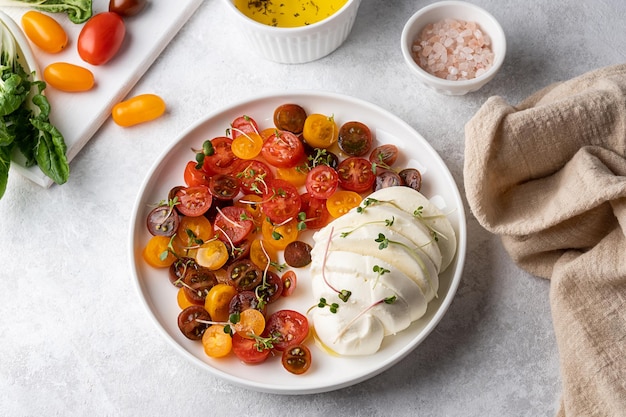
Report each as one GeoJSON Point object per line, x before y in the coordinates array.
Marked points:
{"type": "Point", "coordinates": [126, 7]}
{"type": "Point", "coordinates": [101, 38]}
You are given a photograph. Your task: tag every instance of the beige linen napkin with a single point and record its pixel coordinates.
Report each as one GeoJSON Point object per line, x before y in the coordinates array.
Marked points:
{"type": "Point", "coordinates": [549, 177]}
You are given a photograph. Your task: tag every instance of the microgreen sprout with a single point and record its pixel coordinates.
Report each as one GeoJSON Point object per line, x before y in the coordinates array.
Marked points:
{"type": "Point", "coordinates": [343, 295]}
{"type": "Point", "coordinates": [380, 271]}
{"type": "Point", "coordinates": [386, 222]}
{"type": "Point", "coordinates": [379, 162]}
{"type": "Point", "coordinates": [387, 300]}
{"type": "Point", "coordinates": [207, 150]}
{"type": "Point", "coordinates": [320, 157]}
{"type": "Point", "coordinates": [332, 307]}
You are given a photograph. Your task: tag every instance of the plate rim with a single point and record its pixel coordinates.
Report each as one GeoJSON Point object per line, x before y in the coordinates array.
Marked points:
{"type": "Point", "coordinates": [459, 260]}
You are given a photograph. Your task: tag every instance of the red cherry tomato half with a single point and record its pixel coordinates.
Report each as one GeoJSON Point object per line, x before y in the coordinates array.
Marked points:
{"type": "Point", "coordinates": [283, 150]}
{"type": "Point", "coordinates": [247, 350]}
{"type": "Point", "coordinates": [322, 181]}
{"type": "Point", "coordinates": [287, 328]}
{"type": "Point", "coordinates": [101, 38]}
{"type": "Point", "coordinates": [194, 201]}
{"type": "Point", "coordinates": [138, 109]}
{"type": "Point", "coordinates": [356, 174]}
{"type": "Point", "coordinates": [290, 281]}
{"type": "Point", "coordinates": [242, 125]}
{"type": "Point", "coordinates": [234, 222]}
{"type": "Point", "coordinates": [315, 211]}
{"type": "Point", "coordinates": [252, 174]}
{"type": "Point", "coordinates": [296, 359]}
{"type": "Point", "coordinates": [281, 201]}
{"type": "Point", "coordinates": [194, 176]}
{"type": "Point", "coordinates": [127, 8]}
{"type": "Point", "coordinates": [223, 160]}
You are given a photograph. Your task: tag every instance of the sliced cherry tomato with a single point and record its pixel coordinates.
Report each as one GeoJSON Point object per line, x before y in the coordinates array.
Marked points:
{"type": "Point", "coordinates": [190, 322]}
{"type": "Point", "coordinates": [194, 201]}
{"type": "Point", "coordinates": [355, 174]}
{"type": "Point", "coordinates": [252, 175]}
{"type": "Point", "coordinates": [272, 287]}
{"type": "Point", "coordinates": [182, 300]}
{"type": "Point", "coordinates": [232, 224]}
{"type": "Point", "coordinates": [386, 178]}
{"type": "Point", "coordinates": [295, 175]}
{"type": "Point", "coordinates": [290, 117]}
{"type": "Point", "coordinates": [242, 125]}
{"type": "Point", "coordinates": [45, 32]}
{"type": "Point", "coordinates": [245, 275]}
{"type": "Point", "coordinates": [247, 146]}
{"type": "Point", "coordinates": [245, 300]}
{"type": "Point", "coordinates": [296, 359]}
{"type": "Point", "coordinates": [216, 342]}
{"type": "Point", "coordinates": [342, 201]}
{"type": "Point", "coordinates": [101, 38]}
{"type": "Point", "coordinates": [194, 176]}
{"type": "Point", "coordinates": [251, 323]}
{"type": "Point", "coordinates": [179, 268]}
{"type": "Point", "coordinates": [262, 254]}
{"type": "Point", "coordinates": [281, 201]}
{"type": "Point", "coordinates": [315, 210]}
{"type": "Point", "coordinates": [355, 138]}
{"type": "Point", "coordinates": [139, 109]}
{"type": "Point", "coordinates": [252, 204]}
{"type": "Point", "coordinates": [298, 254]}
{"type": "Point", "coordinates": [224, 186]}
{"type": "Point", "coordinates": [212, 255]}
{"type": "Point", "coordinates": [223, 159]}
{"type": "Point", "coordinates": [197, 284]}
{"type": "Point", "coordinates": [286, 328]}
{"type": "Point", "coordinates": [217, 301]}
{"type": "Point", "coordinates": [127, 8]}
{"type": "Point", "coordinates": [193, 231]}
{"type": "Point", "coordinates": [68, 77]}
{"type": "Point", "coordinates": [385, 155]}
{"type": "Point", "coordinates": [249, 351]}
{"type": "Point", "coordinates": [279, 236]}
{"type": "Point", "coordinates": [322, 181]}
{"type": "Point", "coordinates": [163, 221]}
{"type": "Point", "coordinates": [320, 131]}
{"type": "Point", "coordinates": [283, 149]}
{"type": "Point", "coordinates": [156, 252]}
{"type": "Point", "coordinates": [290, 282]}
{"type": "Point", "coordinates": [411, 177]}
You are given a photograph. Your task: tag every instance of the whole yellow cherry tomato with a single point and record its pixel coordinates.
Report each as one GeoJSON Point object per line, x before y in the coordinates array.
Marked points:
{"type": "Point", "coordinates": [68, 77]}
{"type": "Point", "coordinates": [45, 32]}
{"type": "Point", "coordinates": [138, 109]}
{"type": "Point", "coordinates": [320, 131]}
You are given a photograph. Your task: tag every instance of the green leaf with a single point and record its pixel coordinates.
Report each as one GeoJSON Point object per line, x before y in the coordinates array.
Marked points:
{"type": "Point", "coordinates": [5, 164]}
{"type": "Point", "coordinates": [78, 11]}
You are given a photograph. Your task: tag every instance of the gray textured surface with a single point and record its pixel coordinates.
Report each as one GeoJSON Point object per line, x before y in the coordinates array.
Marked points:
{"type": "Point", "coordinates": [74, 339]}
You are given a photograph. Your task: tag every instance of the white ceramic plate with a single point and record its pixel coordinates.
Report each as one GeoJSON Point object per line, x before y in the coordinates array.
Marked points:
{"type": "Point", "coordinates": [328, 372]}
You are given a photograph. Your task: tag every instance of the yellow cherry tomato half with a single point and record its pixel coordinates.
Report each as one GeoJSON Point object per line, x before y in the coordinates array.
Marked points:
{"type": "Point", "coordinates": [182, 300]}
{"type": "Point", "coordinates": [251, 323]}
{"type": "Point", "coordinates": [295, 175]}
{"type": "Point", "coordinates": [342, 201]}
{"type": "Point", "coordinates": [68, 77]}
{"type": "Point", "coordinates": [262, 254]}
{"type": "Point", "coordinates": [279, 236]}
{"type": "Point", "coordinates": [320, 131]}
{"type": "Point", "coordinates": [247, 145]}
{"type": "Point", "coordinates": [212, 255]}
{"type": "Point", "coordinates": [138, 109]}
{"type": "Point", "coordinates": [45, 32]}
{"type": "Point", "coordinates": [217, 301]}
{"type": "Point", "coordinates": [216, 342]}
{"type": "Point", "coordinates": [156, 252]}
{"type": "Point", "coordinates": [193, 230]}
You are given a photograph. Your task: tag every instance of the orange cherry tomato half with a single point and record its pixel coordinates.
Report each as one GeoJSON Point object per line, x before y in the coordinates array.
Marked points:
{"type": "Point", "coordinates": [45, 32]}
{"type": "Point", "coordinates": [138, 109]}
{"type": "Point", "coordinates": [216, 342]}
{"type": "Point", "coordinates": [342, 201]}
{"type": "Point", "coordinates": [101, 38]}
{"type": "Point", "coordinates": [68, 77]}
{"type": "Point", "coordinates": [156, 252]}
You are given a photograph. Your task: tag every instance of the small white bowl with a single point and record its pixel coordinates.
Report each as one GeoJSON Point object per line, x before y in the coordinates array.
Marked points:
{"type": "Point", "coordinates": [297, 45]}
{"type": "Point", "coordinates": [458, 10]}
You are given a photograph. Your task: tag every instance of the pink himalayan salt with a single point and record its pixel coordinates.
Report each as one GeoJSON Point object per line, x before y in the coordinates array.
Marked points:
{"type": "Point", "coordinates": [453, 50]}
